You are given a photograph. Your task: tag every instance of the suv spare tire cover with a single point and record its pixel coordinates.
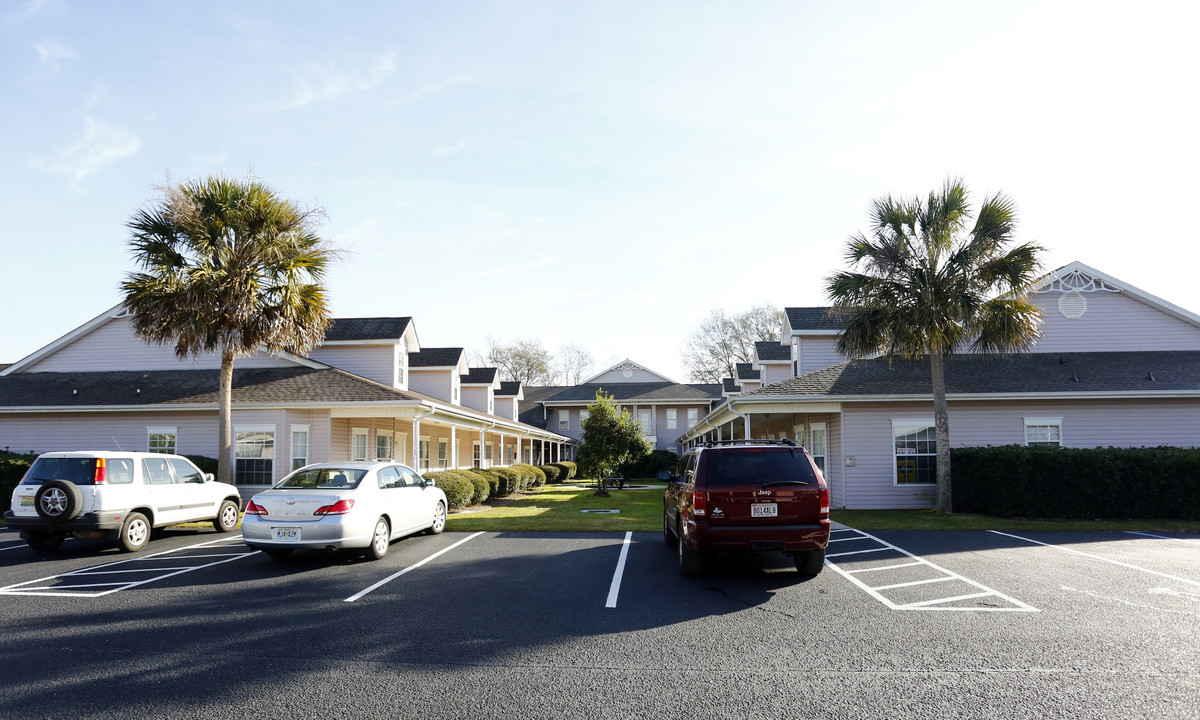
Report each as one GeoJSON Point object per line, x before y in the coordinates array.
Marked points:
{"type": "Point", "coordinates": [58, 500]}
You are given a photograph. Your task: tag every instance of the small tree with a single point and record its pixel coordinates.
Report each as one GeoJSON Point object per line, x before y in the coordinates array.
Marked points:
{"type": "Point", "coordinates": [611, 436]}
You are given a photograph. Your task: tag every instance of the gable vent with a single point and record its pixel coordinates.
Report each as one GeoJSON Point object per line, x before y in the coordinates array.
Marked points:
{"type": "Point", "coordinates": [1072, 305]}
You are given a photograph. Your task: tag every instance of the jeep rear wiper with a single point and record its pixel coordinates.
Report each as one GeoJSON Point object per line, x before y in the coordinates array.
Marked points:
{"type": "Point", "coordinates": [773, 483]}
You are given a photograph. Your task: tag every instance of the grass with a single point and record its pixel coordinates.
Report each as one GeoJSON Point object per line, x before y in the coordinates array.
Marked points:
{"type": "Point", "coordinates": [560, 508]}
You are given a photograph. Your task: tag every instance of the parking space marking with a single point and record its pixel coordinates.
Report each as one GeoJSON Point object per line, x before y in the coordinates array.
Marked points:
{"type": "Point", "coordinates": [615, 587]}
{"type": "Point", "coordinates": [940, 603]}
{"type": "Point", "coordinates": [39, 586]}
{"type": "Point", "coordinates": [1098, 557]}
{"type": "Point", "coordinates": [410, 568]}
{"type": "Point", "coordinates": [1164, 537]}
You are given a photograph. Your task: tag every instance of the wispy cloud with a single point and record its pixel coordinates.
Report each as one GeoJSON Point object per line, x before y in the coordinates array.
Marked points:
{"type": "Point", "coordinates": [435, 88]}
{"type": "Point", "coordinates": [510, 269]}
{"type": "Point", "coordinates": [441, 150]}
{"type": "Point", "coordinates": [102, 144]}
{"type": "Point", "coordinates": [330, 82]}
{"type": "Point", "coordinates": [51, 54]}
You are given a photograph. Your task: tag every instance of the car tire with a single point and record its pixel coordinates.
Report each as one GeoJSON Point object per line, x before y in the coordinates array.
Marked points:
{"type": "Point", "coordinates": [810, 563]}
{"type": "Point", "coordinates": [439, 520]}
{"type": "Point", "coordinates": [45, 541]}
{"type": "Point", "coordinates": [691, 562]}
{"type": "Point", "coordinates": [58, 500]}
{"type": "Point", "coordinates": [668, 532]}
{"type": "Point", "coordinates": [135, 533]}
{"type": "Point", "coordinates": [278, 553]}
{"type": "Point", "coordinates": [227, 517]}
{"type": "Point", "coordinates": [380, 539]}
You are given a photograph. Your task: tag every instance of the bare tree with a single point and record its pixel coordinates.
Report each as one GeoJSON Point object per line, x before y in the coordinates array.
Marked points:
{"type": "Point", "coordinates": [722, 341]}
{"type": "Point", "coordinates": [574, 363]}
{"type": "Point", "coordinates": [525, 360]}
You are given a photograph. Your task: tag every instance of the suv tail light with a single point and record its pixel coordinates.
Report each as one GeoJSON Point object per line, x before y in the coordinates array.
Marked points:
{"type": "Point", "coordinates": [253, 508]}
{"type": "Point", "coordinates": [824, 511]}
{"type": "Point", "coordinates": [699, 503]}
{"type": "Point", "coordinates": [101, 472]}
{"type": "Point", "coordinates": [341, 507]}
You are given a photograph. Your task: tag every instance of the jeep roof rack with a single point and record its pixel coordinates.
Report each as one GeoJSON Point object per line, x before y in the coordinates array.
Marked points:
{"type": "Point", "coordinates": [749, 441]}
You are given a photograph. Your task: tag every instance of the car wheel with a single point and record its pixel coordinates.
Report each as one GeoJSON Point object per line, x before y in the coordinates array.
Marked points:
{"type": "Point", "coordinates": [691, 562]}
{"type": "Point", "coordinates": [134, 533]}
{"type": "Point", "coordinates": [58, 500]}
{"type": "Point", "coordinates": [439, 520]}
{"type": "Point", "coordinates": [227, 518]}
{"type": "Point", "coordinates": [380, 539]}
{"type": "Point", "coordinates": [45, 541]}
{"type": "Point", "coordinates": [810, 563]}
{"type": "Point", "coordinates": [278, 553]}
{"type": "Point", "coordinates": [668, 533]}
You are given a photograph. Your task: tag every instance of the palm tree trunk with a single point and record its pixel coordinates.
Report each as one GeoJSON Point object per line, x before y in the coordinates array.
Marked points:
{"type": "Point", "coordinates": [941, 429]}
{"type": "Point", "coordinates": [224, 418]}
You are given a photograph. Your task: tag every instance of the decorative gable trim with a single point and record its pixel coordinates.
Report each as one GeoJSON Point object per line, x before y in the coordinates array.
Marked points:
{"type": "Point", "coordinates": [1079, 278]}
{"type": "Point", "coordinates": [628, 368]}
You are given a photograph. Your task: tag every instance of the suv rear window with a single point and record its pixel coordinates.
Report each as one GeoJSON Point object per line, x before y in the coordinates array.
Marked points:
{"type": "Point", "coordinates": [753, 467]}
{"type": "Point", "coordinates": [80, 471]}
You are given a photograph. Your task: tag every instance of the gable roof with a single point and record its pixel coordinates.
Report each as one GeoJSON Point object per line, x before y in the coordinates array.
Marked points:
{"type": "Point", "coordinates": [1077, 276]}
{"type": "Point", "coordinates": [631, 366]}
{"type": "Point", "coordinates": [480, 376]}
{"type": "Point", "coordinates": [1045, 374]}
{"type": "Point", "coordinates": [627, 392]}
{"type": "Point", "coordinates": [768, 351]}
{"type": "Point", "coordinates": [819, 319]}
{"type": "Point", "coordinates": [746, 371]}
{"type": "Point", "coordinates": [372, 328]}
{"type": "Point", "coordinates": [509, 389]}
{"type": "Point", "coordinates": [435, 357]}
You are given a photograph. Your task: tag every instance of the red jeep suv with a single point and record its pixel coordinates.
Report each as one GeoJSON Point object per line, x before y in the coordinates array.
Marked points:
{"type": "Point", "coordinates": [748, 496]}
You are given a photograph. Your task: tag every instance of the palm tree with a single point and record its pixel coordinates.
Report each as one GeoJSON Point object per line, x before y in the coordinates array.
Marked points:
{"type": "Point", "coordinates": [927, 282]}
{"type": "Point", "coordinates": [227, 266]}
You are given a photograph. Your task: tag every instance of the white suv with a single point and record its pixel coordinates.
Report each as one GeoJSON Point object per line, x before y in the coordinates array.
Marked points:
{"type": "Point", "coordinates": [118, 495]}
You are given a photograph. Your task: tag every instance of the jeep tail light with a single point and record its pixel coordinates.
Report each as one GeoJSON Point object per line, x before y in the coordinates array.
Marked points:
{"type": "Point", "coordinates": [699, 503]}
{"type": "Point", "coordinates": [101, 471]}
{"type": "Point", "coordinates": [341, 507]}
{"type": "Point", "coordinates": [824, 511]}
{"type": "Point", "coordinates": [253, 508]}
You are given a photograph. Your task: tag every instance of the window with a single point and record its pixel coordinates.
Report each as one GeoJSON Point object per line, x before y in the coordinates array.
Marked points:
{"type": "Point", "coordinates": [389, 477]}
{"type": "Point", "coordinates": [161, 439]}
{"type": "Point", "coordinates": [798, 434]}
{"type": "Point", "coordinates": [443, 449]}
{"type": "Point", "coordinates": [817, 444]}
{"type": "Point", "coordinates": [583, 415]}
{"type": "Point", "coordinates": [646, 423]}
{"type": "Point", "coordinates": [693, 416]}
{"type": "Point", "coordinates": [358, 443]}
{"type": "Point", "coordinates": [299, 446]}
{"type": "Point", "coordinates": [383, 446]}
{"type": "Point", "coordinates": [401, 365]}
{"type": "Point", "coordinates": [475, 456]}
{"type": "Point", "coordinates": [564, 420]}
{"type": "Point", "coordinates": [487, 455]}
{"type": "Point", "coordinates": [185, 472]}
{"type": "Point", "coordinates": [672, 418]}
{"type": "Point", "coordinates": [1043, 431]}
{"type": "Point", "coordinates": [254, 455]}
{"type": "Point", "coordinates": [423, 454]}
{"type": "Point", "coordinates": [915, 452]}
{"type": "Point", "coordinates": [157, 471]}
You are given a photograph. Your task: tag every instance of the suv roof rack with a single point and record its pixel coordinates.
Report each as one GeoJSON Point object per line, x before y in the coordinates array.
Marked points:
{"type": "Point", "coordinates": [749, 441]}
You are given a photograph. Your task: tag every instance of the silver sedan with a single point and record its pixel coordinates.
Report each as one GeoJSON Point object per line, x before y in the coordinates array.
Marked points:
{"type": "Point", "coordinates": [329, 506]}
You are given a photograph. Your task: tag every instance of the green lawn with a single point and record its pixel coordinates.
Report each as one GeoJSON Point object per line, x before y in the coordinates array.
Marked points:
{"type": "Point", "coordinates": [560, 508]}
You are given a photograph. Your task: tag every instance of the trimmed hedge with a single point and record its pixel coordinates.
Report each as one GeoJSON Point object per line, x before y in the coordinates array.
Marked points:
{"type": "Point", "coordinates": [1074, 483]}
{"type": "Point", "coordinates": [649, 466]}
{"type": "Point", "coordinates": [459, 490]}
{"type": "Point", "coordinates": [553, 473]}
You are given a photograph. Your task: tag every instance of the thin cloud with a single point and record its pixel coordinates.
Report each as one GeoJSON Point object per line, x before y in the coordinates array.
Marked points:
{"type": "Point", "coordinates": [539, 263]}
{"type": "Point", "coordinates": [441, 150]}
{"type": "Point", "coordinates": [52, 54]}
{"type": "Point", "coordinates": [102, 144]}
{"type": "Point", "coordinates": [435, 88]}
{"type": "Point", "coordinates": [332, 82]}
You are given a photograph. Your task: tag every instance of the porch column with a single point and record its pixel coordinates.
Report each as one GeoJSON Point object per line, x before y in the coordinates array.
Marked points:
{"type": "Point", "coordinates": [416, 444]}
{"type": "Point", "coordinates": [482, 447]}
{"type": "Point", "coordinates": [453, 448]}
{"type": "Point", "coordinates": [746, 423]}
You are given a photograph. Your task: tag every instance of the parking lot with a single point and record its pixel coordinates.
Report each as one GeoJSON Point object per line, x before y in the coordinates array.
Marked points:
{"type": "Point", "coordinates": [573, 625]}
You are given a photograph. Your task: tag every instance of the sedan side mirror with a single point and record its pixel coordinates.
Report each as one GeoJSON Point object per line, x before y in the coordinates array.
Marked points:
{"type": "Point", "coordinates": [209, 477]}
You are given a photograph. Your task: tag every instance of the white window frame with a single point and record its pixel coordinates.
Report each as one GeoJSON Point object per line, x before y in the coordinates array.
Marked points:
{"type": "Point", "coordinates": [820, 450]}
{"type": "Point", "coordinates": [391, 445]}
{"type": "Point", "coordinates": [912, 424]}
{"type": "Point", "coordinates": [489, 454]}
{"type": "Point", "coordinates": [270, 429]}
{"type": "Point", "coordinates": [401, 377]}
{"type": "Point", "coordinates": [798, 435]}
{"type": "Point", "coordinates": [423, 454]}
{"type": "Point", "coordinates": [564, 420]}
{"type": "Point", "coordinates": [693, 417]}
{"type": "Point", "coordinates": [400, 447]}
{"type": "Point", "coordinates": [303, 459]}
{"type": "Point", "coordinates": [1043, 422]}
{"type": "Point", "coordinates": [476, 454]}
{"type": "Point", "coordinates": [162, 430]}
{"type": "Point", "coordinates": [356, 452]}
{"type": "Point", "coordinates": [672, 419]}
{"type": "Point", "coordinates": [443, 453]}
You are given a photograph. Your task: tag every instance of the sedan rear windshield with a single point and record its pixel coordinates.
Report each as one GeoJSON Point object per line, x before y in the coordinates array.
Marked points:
{"type": "Point", "coordinates": [322, 478]}
{"type": "Point", "coordinates": [755, 467]}
{"type": "Point", "coordinates": [81, 471]}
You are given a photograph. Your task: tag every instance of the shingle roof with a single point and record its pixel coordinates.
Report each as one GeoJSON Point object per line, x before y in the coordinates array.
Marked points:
{"type": "Point", "coordinates": [729, 385]}
{"type": "Point", "coordinates": [814, 318]}
{"type": "Point", "coordinates": [187, 387]}
{"type": "Point", "coordinates": [745, 371]}
{"type": "Point", "coordinates": [377, 328]}
{"type": "Point", "coordinates": [1058, 373]}
{"type": "Point", "coordinates": [435, 357]}
{"type": "Point", "coordinates": [768, 351]}
{"type": "Point", "coordinates": [480, 376]}
{"type": "Point", "coordinates": [625, 392]}
{"type": "Point", "coordinates": [509, 389]}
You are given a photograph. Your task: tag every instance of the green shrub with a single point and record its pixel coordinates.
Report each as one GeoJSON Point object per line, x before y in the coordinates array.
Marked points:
{"type": "Point", "coordinates": [649, 465]}
{"type": "Point", "coordinates": [537, 477]}
{"type": "Point", "coordinates": [458, 489]}
{"type": "Point", "coordinates": [1075, 483]}
{"type": "Point", "coordinates": [571, 468]}
{"type": "Point", "coordinates": [12, 469]}
{"type": "Point", "coordinates": [554, 473]}
{"type": "Point", "coordinates": [205, 463]}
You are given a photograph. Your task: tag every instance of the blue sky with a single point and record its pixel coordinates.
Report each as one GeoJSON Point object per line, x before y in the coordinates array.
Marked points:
{"type": "Point", "coordinates": [600, 173]}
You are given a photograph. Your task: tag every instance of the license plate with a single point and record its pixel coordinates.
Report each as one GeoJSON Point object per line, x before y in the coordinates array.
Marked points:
{"type": "Point", "coordinates": [764, 510]}
{"type": "Point", "coordinates": [27, 501]}
{"type": "Point", "coordinates": [285, 533]}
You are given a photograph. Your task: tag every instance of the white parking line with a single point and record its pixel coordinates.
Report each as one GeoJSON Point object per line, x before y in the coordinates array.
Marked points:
{"type": "Point", "coordinates": [934, 604]}
{"type": "Point", "coordinates": [166, 572]}
{"type": "Point", "coordinates": [1097, 557]}
{"type": "Point", "coordinates": [615, 587]}
{"type": "Point", "coordinates": [393, 576]}
{"type": "Point", "coordinates": [1164, 537]}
